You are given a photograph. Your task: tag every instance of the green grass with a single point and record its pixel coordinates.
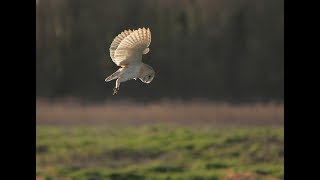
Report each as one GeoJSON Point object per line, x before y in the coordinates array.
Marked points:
{"type": "Point", "coordinates": [157, 152]}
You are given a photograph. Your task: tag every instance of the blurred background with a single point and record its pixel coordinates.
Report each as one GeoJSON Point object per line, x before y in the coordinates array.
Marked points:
{"type": "Point", "coordinates": [209, 49]}
{"type": "Point", "coordinates": [213, 111]}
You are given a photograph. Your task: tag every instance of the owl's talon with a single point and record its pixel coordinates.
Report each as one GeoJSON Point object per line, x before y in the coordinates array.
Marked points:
{"type": "Point", "coordinates": [115, 91]}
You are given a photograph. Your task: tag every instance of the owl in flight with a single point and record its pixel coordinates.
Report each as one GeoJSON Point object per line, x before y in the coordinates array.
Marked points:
{"type": "Point", "coordinates": [126, 50]}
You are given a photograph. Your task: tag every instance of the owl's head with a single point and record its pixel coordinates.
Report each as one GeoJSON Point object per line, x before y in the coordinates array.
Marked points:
{"type": "Point", "coordinates": [146, 73]}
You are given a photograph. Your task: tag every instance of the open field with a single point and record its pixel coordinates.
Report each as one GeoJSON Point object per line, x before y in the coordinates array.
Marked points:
{"type": "Point", "coordinates": [128, 114]}
{"type": "Point", "coordinates": [159, 141]}
{"type": "Point", "coordinates": [159, 152]}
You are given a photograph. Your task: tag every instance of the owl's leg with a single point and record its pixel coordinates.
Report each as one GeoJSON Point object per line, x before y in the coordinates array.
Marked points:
{"type": "Point", "coordinates": [116, 89]}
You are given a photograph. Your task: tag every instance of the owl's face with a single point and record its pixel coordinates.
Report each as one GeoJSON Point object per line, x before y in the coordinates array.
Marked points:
{"type": "Point", "coordinates": [148, 77]}
{"type": "Point", "coordinates": [146, 73]}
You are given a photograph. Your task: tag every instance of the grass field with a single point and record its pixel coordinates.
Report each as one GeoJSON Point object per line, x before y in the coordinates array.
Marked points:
{"type": "Point", "coordinates": [94, 150]}
{"type": "Point", "coordinates": [158, 152]}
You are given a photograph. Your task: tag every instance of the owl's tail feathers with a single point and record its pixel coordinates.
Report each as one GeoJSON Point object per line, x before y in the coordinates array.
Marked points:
{"type": "Point", "coordinates": [113, 76]}
{"type": "Point", "coordinates": [145, 51]}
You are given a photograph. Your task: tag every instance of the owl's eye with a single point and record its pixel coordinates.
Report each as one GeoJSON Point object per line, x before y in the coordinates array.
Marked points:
{"type": "Point", "coordinates": [149, 76]}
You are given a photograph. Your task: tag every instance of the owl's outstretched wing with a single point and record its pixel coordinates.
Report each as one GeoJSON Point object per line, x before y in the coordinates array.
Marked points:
{"type": "Point", "coordinates": [117, 40]}
{"type": "Point", "coordinates": [132, 47]}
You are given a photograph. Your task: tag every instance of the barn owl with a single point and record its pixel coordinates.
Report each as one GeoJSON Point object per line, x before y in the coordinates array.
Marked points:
{"type": "Point", "coordinates": [126, 51]}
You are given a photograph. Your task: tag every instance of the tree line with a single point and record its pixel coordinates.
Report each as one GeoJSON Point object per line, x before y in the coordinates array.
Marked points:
{"type": "Point", "coordinates": [221, 50]}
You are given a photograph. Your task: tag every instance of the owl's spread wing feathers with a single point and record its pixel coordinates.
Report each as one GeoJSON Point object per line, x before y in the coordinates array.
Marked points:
{"type": "Point", "coordinates": [117, 40]}
{"type": "Point", "coordinates": [131, 46]}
